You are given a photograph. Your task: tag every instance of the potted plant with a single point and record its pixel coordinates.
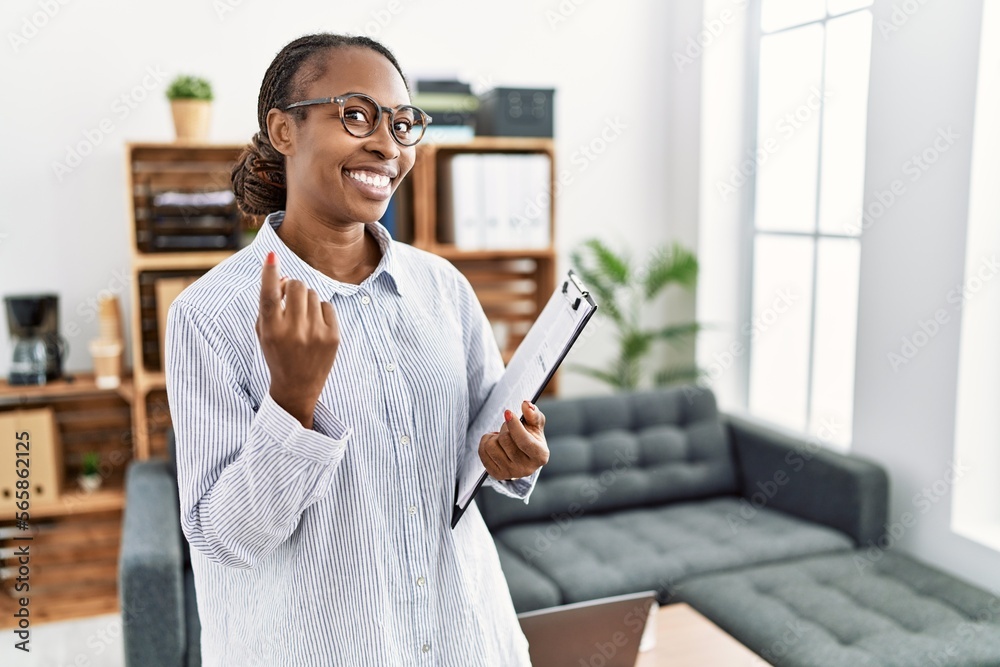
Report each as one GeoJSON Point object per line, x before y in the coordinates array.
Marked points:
{"type": "Point", "coordinates": [621, 291]}
{"type": "Point", "coordinates": [90, 478]}
{"type": "Point", "coordinates": [191, 103]}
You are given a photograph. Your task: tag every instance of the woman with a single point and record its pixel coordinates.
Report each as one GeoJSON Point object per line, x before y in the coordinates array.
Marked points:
{"type": "Point", "coordinates": [320, 416]}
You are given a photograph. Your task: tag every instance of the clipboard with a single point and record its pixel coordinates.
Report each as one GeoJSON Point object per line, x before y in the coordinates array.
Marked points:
{"type": "Point", "coordinates": [536, 359]}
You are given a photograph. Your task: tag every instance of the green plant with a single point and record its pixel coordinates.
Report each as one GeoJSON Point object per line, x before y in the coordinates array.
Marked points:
{"type": "Point", "coordinates": [621, 291]}
{"type": "Point", "coordinates": [186, 87]}
{"type": "Point", "coordinates": [91, 463]}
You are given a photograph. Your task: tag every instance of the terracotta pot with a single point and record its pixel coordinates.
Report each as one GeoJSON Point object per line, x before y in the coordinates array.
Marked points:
{"type": "Point", "coordinates": [191, 118]}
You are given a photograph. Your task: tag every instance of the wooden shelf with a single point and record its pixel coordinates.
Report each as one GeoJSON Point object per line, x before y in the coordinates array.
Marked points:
{"type": "Point", "coordinates": [499, 144]}
{"type": "Point", "coordinates": [152, 380]}
{"type": "Point", "coordinates": [167, 261]}
{"type": "Point", "coordinates": [75, 383]}
{"type": "Point", "coordinates": [451, 252]}
{"type": "Point", "coordinates": [74, 501]}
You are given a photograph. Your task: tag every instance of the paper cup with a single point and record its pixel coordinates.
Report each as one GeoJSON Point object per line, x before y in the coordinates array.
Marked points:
{"type": "Point", "coordinates": [107, 362]}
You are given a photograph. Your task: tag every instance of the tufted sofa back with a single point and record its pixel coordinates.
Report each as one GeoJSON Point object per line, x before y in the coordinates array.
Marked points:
{"type": "Point", "coordinates": [632, 449]}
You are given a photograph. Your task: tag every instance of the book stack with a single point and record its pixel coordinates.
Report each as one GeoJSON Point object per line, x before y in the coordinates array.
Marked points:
{"type": "Point", "coordinates": [452, 106]}
{"type": "Point", "coordinates": [496, 201]}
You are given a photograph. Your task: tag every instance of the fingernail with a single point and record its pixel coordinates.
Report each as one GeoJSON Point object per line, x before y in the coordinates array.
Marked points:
{"type": "Point", "coordinates": [508, 415]}
{"type": "Point", "coordinates": [272, 258]}
{"type": "Point", "coordinates": [532, 405]}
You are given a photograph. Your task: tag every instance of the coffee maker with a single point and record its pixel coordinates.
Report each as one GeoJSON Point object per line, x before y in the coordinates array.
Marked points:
{"type": "Point", "coordinates": [39, 350]}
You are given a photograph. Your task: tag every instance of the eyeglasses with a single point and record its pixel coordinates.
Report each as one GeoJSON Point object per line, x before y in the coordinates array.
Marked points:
{"type": "Point", "coordinates": [361, 116]}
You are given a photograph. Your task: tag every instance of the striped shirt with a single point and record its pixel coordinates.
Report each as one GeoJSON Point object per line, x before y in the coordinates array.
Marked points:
{"type": "Point", "coordinates": [332, 545]}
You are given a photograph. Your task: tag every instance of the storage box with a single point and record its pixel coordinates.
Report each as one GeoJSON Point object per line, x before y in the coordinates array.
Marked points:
{"type": "Point", "coordinates": [167, 289]}
{"type": "Point", "coordinates": [44, 454]}
{"type": "Point", "coordinates": [516, 112]}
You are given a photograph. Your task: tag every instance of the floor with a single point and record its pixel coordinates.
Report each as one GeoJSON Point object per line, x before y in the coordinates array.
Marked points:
{"type": "Point", "coordinates": [88, 642]}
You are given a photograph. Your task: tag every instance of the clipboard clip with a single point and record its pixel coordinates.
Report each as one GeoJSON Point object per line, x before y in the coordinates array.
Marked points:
{"type": "Point", "coordinates": [579, 286]}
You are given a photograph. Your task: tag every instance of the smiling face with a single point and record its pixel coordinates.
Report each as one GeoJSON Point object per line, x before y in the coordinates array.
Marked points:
{"type": "Point", "coordinates": [328, 171]}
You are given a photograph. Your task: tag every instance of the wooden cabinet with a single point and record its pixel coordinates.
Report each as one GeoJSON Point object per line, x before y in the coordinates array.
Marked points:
{"type": "Point", "coordinates": [76, 539]}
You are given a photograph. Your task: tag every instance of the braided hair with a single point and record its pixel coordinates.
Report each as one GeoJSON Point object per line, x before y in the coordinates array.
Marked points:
{"type": "Point", "coordinates": [258, 176]}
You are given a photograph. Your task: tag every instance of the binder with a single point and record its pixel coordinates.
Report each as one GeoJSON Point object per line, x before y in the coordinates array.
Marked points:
{"type": "Point", "coordinates": [536, 359]}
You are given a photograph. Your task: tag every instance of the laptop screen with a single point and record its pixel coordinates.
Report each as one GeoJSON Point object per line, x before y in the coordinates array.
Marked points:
{"type": "Point", "coordinates": [604, 632]}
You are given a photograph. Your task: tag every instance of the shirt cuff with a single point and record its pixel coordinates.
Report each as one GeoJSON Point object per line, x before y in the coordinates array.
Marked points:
{"type": "Point", "coordinates": [519, 488]}
{"type": "Point", "coordinates": [323, 443]}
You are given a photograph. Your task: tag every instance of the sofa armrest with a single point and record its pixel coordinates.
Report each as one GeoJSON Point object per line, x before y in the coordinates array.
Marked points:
{"type": "Point", "coordinates": [150, 580]}
{"type": "Point", "coordinates": [798, 476]}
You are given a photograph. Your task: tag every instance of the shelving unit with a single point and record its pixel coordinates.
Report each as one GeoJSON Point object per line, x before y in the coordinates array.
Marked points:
{"type": "Point", "coordinates": [151, 169]}
{"type": "Point", "coordinates": [512, 285]}
{"type": "Point", "coordinates": [74, 550]}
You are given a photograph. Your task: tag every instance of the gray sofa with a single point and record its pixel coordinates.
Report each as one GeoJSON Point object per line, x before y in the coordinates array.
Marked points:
{"type": "Point", "coordinates": [772, 537]}
{"type": "Point", "coordinates": [776, 540]}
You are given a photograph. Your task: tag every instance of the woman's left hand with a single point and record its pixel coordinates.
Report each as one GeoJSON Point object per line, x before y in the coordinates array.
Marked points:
{"type": "Point", "coordinates": [517, 449]}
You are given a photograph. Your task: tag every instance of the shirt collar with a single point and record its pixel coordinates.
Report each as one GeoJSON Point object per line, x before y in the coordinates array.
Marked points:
{"type": "Point", "coordinates": [294, 266]}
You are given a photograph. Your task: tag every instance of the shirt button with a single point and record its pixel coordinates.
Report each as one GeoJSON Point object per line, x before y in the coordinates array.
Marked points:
{"type": "Point", "coordinates": [413, 509]}
{"type": "Point", "coordinates": [365, 300]}
{"type": "Point", "coordinates": [390, 367]}
{"type": "Point", "coordinates": [426, 647]}
{"type": "Point", "coordinates": [405, 440]}
{"type": "Point", "coordinates": [420, 581]}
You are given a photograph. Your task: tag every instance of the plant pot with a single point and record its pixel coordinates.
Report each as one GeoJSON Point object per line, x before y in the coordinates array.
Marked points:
{"type": "Point", "coordinates": [191, 118]}
{"type": "Point", "coordinates": [89, 483]}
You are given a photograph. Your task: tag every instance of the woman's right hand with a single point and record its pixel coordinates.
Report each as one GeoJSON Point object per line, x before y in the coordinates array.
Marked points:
{"type": "Point", "coordinates": [299, 340]}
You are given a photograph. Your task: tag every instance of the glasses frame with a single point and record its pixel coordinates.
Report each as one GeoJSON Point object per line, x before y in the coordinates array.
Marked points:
{"type": "Point", "coordinates": [340, 100]}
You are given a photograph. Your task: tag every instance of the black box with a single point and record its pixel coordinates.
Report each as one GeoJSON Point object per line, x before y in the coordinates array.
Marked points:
{"type": "Point", "coordinates": [515, 112]}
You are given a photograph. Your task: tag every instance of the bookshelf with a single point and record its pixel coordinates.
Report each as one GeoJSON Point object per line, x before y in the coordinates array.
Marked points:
{"type": "Point", "coordinates": [512, 285]}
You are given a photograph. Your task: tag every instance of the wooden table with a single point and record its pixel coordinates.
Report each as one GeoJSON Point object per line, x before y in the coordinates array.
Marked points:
{"type": "Point", "coordinates": [686, 638]}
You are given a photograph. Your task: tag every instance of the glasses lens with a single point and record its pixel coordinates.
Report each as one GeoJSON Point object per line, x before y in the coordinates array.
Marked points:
{"type": "Point", "coordinates": [361, 115]}
{"type": "Point", "coordinates": [408, 124]}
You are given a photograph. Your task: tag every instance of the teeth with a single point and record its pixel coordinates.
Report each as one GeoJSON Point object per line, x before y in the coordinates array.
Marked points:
{"type": "Point", "coordinates": [377, 180]}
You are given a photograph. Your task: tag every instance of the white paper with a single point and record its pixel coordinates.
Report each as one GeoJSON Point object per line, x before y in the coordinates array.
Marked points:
{"type": "Point", "coordinates": [546, 341]}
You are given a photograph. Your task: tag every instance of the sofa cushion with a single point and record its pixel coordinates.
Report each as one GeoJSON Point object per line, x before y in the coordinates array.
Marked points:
{"type": "Point", "coordinates": [626, 450]}
{"type": "Point", "coordinates": [858, 609]}
{"type": "Point", "coordinates": [529, 588]}
{"type": "Point", "coordinates": [593, 555]}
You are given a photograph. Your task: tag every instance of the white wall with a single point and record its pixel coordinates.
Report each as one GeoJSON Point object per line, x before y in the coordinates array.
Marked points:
{"type": "Point", "coordinates": [69, 234]}
{"type": "Point", "coordinates": [912, 256]}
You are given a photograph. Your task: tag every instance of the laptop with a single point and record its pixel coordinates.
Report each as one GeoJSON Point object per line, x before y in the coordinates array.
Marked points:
{"type": "Point", "coordinates": [604, 632]}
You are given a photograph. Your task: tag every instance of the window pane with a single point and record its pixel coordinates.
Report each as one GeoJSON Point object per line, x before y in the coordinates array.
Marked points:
{"type": "Point", "coordinates": [834, 7]}
{"type": "Point", "coordinates": [778, 14]}
{"type": "Point", "coordinates": [845, 115]}
{"type": "Point", "coordinates": [789, 98]}
{"type": "Point", "coordinates": [779, 330]}
{"type": "Point", "coordinates": [836, 328]}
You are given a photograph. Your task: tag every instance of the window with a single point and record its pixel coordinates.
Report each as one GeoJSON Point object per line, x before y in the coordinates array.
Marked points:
{"type": "Point", "coordinates": [812, 67]}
